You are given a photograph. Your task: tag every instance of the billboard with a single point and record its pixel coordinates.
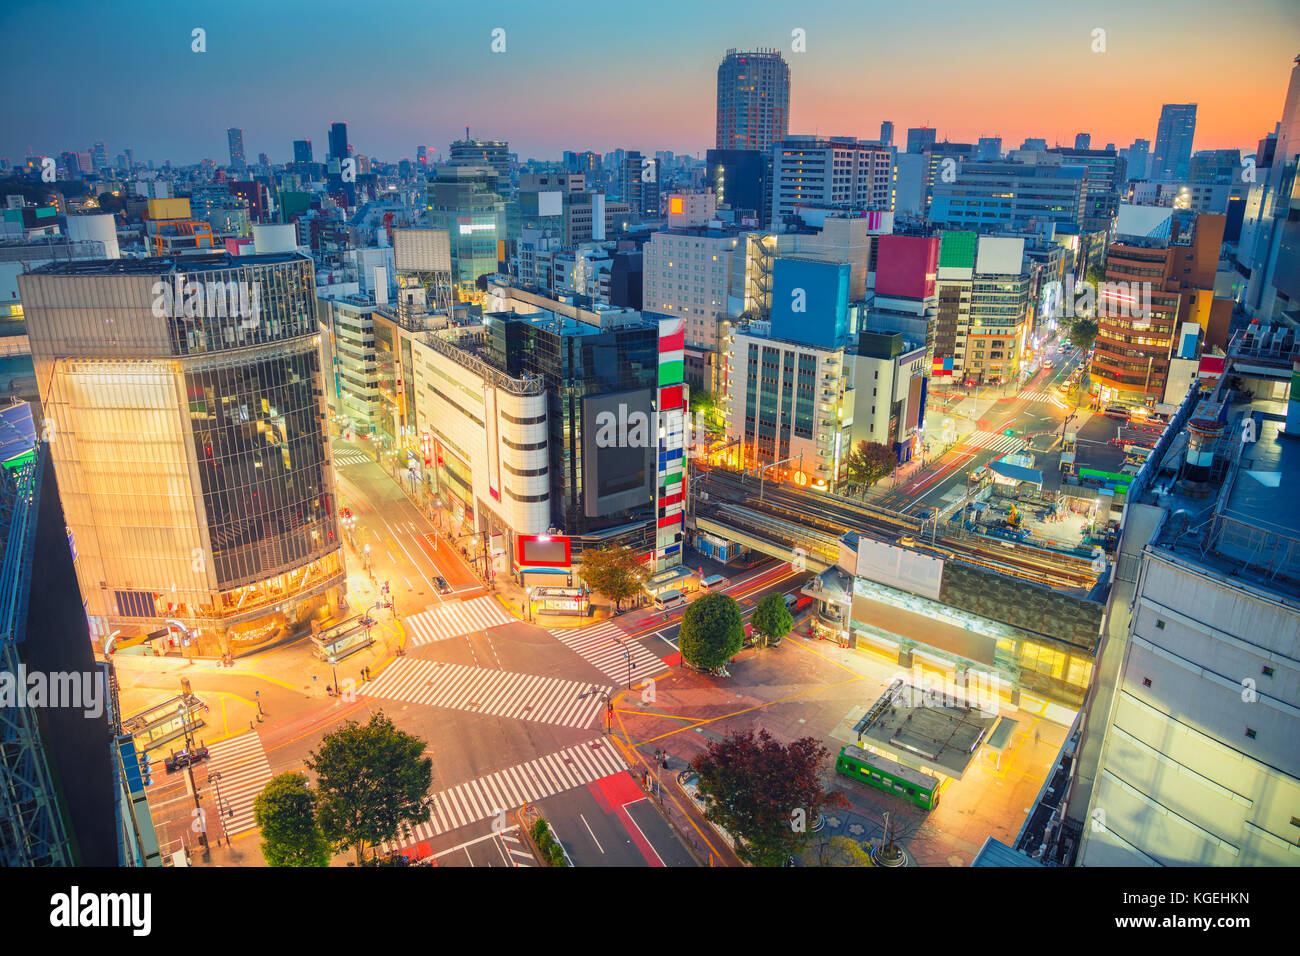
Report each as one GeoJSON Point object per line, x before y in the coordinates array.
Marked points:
{"type": "Point", "coordinates": [1000, 256]}
{"type": "Point", "coordinates": [900, 568]}
{"type": "Point", "coordinates": [421, 250]}
{"type": "Point", "coordinates": [618, 451]}
{"type": "Point", "coordinates": [550, 203]}
{"type": "Point", "coordinates": [542, 551]}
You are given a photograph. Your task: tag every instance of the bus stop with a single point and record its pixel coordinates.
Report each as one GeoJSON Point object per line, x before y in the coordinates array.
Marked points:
{"type": "Point", "coordinates": [341, 640]}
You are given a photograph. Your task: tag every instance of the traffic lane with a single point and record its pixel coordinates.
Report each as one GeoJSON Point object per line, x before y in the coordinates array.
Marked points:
{"type": "Point", "coordinates": [596, 827]}
{"type": "Point", "coordinates": [656, 830]}
{"type": "Point", "coordinates": [747, 595]}
{"type": "Point", "coordinates": [667, 632]}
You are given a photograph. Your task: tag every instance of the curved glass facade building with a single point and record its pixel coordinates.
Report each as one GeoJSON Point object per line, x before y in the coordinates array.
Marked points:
{"type": "Point", "coordinates": [183, 401]}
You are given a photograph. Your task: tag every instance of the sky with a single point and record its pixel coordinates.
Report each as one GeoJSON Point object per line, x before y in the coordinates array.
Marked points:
{"type": "Point", "coordinates": [623, 73]}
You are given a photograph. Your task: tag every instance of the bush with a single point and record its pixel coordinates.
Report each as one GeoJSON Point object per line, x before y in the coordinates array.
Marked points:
{"type": "Point", "coordinates": [551, 850]}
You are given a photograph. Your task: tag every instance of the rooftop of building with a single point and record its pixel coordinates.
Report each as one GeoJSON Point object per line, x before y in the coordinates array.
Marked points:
{"type": "Point", "coordinates": [166, 265]}
{"type": "Point", "coordinates": [1238, 515]}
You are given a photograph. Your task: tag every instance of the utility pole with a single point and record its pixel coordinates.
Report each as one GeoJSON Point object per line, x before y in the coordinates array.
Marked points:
{"type": "Point", "coordinates": [189, 765]}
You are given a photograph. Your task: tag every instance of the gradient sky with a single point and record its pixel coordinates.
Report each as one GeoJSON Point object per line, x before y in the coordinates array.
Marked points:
{"type": "Point", "coordinates": [623, 73]}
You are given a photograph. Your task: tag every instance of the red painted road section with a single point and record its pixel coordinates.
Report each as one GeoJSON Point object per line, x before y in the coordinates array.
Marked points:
{"type": "Point", "coordinates": [613, 794]}
{"type": "Point", "coordinates": [673, 660]}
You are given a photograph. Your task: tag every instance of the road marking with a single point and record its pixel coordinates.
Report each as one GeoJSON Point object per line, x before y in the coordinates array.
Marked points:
{"type": "Point", "coordinates": [547, 700]}
{"type": "Point", "coordinates": [244, 770]}
{"type": "Point", "coordinates": [593, 835]}
{"type": "Point", "coordinates": [598, 644]}
{"type": "Point", "coordinates": [523, 783]}
{"type": "Point", "coordinates": [455, 618]}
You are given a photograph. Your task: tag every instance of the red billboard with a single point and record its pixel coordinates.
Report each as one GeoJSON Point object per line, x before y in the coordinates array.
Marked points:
{"type": "Point", "coordinates": [906, 266]}
{"type": "Point", "coordinates": [542, 551]}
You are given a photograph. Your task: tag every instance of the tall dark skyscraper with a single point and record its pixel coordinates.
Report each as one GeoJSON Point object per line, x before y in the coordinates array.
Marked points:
{"type": "Point", "coordinates": [1172, 158]}
{"type": "Point", "coordinates": [753, 100]}
{"type": "Point", "coordinates": [886, 133]}
{"type": "Point", "coordinates": [302, 151]}
{"type": "Point", "coordinates": [1082, 140]}
{"type": "Point", "coordinates": [235, 137]}
{"type": "Point", "coordinates": [919, 139]}
{"type": "Point", "coordinates": [338, 141]}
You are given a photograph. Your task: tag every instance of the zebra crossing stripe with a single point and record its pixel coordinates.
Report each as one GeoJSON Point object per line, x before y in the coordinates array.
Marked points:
{"type": "Point", "coordinates": [1035, 396]}
{"type": "Point", "coordinates": [995, 442]}
{"type": "Point", "coordinates": [351, 458]}
{"type": "Point", "coordinates": [485, 797]}
{"type": "Point", "coordinates": [244, 770]}
{"type": "Point", "coordinates": [517, 854]}
{"type": "Point", "coordinates": [547, 700]}
{"type": "Point", "coordinates": [453, 619]}
{"type": "Point", "coordinates": [599, 646]}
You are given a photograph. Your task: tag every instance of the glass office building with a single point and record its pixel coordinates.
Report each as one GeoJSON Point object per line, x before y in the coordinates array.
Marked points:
{"type": "Point", "coordinates": [184, 404]}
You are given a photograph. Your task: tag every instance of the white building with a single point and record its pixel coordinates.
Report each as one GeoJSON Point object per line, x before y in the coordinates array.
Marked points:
{"type": "Point", "coordinates": [839, 171]}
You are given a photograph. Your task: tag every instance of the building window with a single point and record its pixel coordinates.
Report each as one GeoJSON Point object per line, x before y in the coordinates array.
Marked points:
{"type": "Point", "coordinates": [1160, 625]}
{"type": "Point", "coordinates": [1250, 733]}
{"type": "Point", "coordinates": [1267, 671]}
{"type": "Point", "coordinates": [1146, 682]}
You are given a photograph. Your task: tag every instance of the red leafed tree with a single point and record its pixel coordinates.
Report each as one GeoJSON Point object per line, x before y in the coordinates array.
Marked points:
{"type": "Point", "coordinates": [766, 795]}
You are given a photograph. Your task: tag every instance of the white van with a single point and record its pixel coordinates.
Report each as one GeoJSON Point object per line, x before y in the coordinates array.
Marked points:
{"type": "Point", "coordinates": [713, 582]}
{"type": "Point", "coordinates": [669, 599]}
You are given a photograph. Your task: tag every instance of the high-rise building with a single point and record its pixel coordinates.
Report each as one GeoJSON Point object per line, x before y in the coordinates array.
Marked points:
{"type": "Point", "coordinates": [753, 100]}
{"type": "Point", "coordinates": [465, 202]}
{"type": "Point", "coordinates": [193, 463]}
{"type": "Point", "coordinates": [839, 171]}
{"type": "Point", "coordinates": [919, 139]}
{"type": "Point", "coordinates": [99, 157]}
{"type": "Point", "coordinates": [988, 149]}
{"type": "Point", "coordinates": [422, 155]}
{"type": "Point", "coordinates": [235, 137]}
{"type": "Point", "coordinates": [1082, 140]}
{"type": "Point", "coordinates": [492, 153]}
{"type": "Point", "coordinates": [1188, 755]}
{"type": "Point", "coordinates": [302, 151]}
{"type": "Point", "coordinates": [1034, 145]}
{"type": "Point", "coordinates": [984, 307]}
{"type": "Point", "coordinates": [639, 183]}
{"type": "Point", "coordinates": [1138, 159]}
{"type": "Point", "coordinates": [1155, 283]}
{"type": "Point", "coordinates": [741, 179]}
{"type": "Point", "coordinates": [1106, 178]}
{"type": "Point", "coordinates": [1003, 196]}
{"type": "Point", "coordinates": [886, 133]}
{"type": "Point", "coordinates": [1173, 153]}
{"type": "Point", "coordinates": [338, 138]}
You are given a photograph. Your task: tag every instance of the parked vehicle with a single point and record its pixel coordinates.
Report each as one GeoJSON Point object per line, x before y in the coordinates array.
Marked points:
{"type": "Point", "coordinates": [1117, 411]}
{"type": "Point", "coordinates": [185, 758]}
{"type": "Point", "coordinates": [669, 599]}
{"type": "Point", "coordinates": [714, 582]}
{"type": "Point", "coordinates": [442, 584]}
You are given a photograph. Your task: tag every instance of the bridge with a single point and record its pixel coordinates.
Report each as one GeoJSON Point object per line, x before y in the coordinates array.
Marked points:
{"type": "Point", "coordinates": [767, 535]}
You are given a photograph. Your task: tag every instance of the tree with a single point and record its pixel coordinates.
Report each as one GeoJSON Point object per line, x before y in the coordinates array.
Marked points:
{"type": "Point", "coordinates": [615, 572]}
{"type": "Point", "coordinates": [764, 794]}
{"type": "Point", "coordinates": [286, 813]}
{"type": "Point", "coordinates": [1083, 333]}
{"type": "Point", "coordinates": [371, 780]}
{"type": "Point", "coordinates": [868, 461]}
{"type": "Point", "coordinates": [706, 405]}
{"type": "Point", "coordinates": [712, 632]}
{"type": "Point", "coordinates": [1096, 274]}
{"type": "Point", "coordinates": [772, 618]}
{"type": "Point", "coordinates": [841, 851]}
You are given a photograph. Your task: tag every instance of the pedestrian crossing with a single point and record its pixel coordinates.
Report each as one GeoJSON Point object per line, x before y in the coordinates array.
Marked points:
{"type": "Point", "coordinates": [517, 853]}
{"type": "Point", "coordinates": [351, 457]}
{"type": "Point", "coordinates": [994, 441]}
{"type": "Point", "coordinates": [547, 700]}
{"type": "Point", "coordinates": [1035, 395]}
{"type": "Point", "coordinates": [241, 761]}
{"type": "Point", "coordinates": [454, 618]}
{"type": "Point", "coordinates": [491, 796]}
{"type": "Point", "coordinates": [599, 645]}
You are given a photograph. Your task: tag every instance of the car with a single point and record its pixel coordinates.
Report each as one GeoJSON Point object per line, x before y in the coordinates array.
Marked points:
{"type": "Point", "coordinates": [442, 585]}
{"type": "Point", "coordinates": [185, 758]}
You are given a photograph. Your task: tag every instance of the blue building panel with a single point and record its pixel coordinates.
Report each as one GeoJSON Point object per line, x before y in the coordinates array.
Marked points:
{"type": "Point", "coordinates": [810, 302]}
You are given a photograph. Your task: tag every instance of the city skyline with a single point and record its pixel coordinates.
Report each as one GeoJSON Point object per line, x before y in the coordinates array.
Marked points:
{"type": "Point", "coordinates": [391, 102]}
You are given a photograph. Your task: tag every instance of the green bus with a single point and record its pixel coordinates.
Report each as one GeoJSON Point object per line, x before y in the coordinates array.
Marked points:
{"type": "Point", "coordinates": [883, 774]}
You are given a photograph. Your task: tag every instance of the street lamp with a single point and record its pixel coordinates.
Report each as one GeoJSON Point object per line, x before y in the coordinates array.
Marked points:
{"type": "Point", "coordinates": [333, 670]}
{"type": "Point", "coordinates": [609, 706]}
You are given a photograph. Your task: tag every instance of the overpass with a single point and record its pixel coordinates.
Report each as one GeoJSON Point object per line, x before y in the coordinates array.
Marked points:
{"type": "Point", "coordinates": [767, 535]}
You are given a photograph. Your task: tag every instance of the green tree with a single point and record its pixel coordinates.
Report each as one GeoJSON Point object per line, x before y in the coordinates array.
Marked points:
{"type": "Point", "coordinates": [1083, 333]}
{"type": "Point", "coordinates": [764, 794]}
{"type": "Point", "coordinates": [372, 780]}
{"type": "Point", "coordinates": [706, 404]}
{"type": "Point", "coordinates": [615, 572]}
{"type": "Point", "coordinates": [772, 618]}
{"type": "Point", "coordinates": [868, 461]}
{"type": "Point", "coordinates": [286, 813]}
{"type": "Point", "coordinates": [712, 631]}
{"type": "Point", "coordinates": [1096, 274]}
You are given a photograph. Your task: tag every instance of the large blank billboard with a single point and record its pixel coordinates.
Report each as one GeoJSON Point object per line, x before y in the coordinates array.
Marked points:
{"type": "Point", "coordinates": [421, 250]}
{"type": "Point", "coordinates": [618, 452]}
{"type": "Point", "coordinates": [550, 203]}
{"type": "Point", "coordinates": [899, 568]}
{"type": "Point", "coordinates": [999, 256]}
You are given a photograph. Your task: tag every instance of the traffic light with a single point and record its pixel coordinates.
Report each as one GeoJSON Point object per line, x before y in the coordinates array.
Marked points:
{"type": "Point", "coordinates": [1009, 432]}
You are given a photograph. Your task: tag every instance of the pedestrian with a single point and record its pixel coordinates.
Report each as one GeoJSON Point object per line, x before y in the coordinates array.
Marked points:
{"type": "Point", "coordinates": [329, 689]}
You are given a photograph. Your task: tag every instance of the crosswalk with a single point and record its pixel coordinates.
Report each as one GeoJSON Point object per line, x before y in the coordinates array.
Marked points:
{"type": "Point", "coordinates": [241, 761]}
{"type": "Point", "coordinates": [1035, 395]}
{"type": "Point", "coordinates": [453, 619]}
{"type": "Point", "coordinates": [994, 441]}
{"type": "Point", "coordinates": [599, 645]}
{"type": "Point", "coordinates": [547, 700]}
{"type": "Point", "coordinates": [351, 457]}
{"type": "Point", "coordinates": [515, 849]}
{"type": "Point", "coordinates": [494, 794]}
